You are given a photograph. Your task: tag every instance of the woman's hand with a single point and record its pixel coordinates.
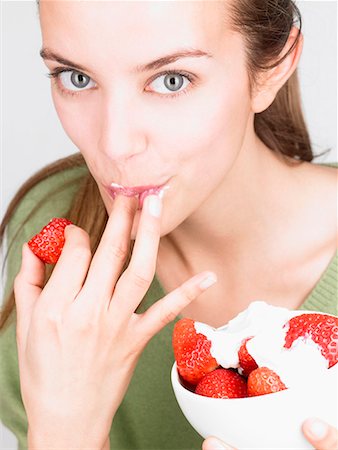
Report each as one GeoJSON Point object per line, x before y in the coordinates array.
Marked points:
{"type": "Point", "coordinates": [321, 435]}
{"type": "Point", "coordinates": [78, 337]}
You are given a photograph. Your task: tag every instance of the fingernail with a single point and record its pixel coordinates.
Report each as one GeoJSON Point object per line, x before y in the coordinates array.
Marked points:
{"type": "Point", "coordinates": [215, 444]}
{"type": "Point", "coordinates": [208, 281]}
{"type": "Point", "coordinates": [317, 428]}
{"type": "Point", "coordinates": [154, 205]}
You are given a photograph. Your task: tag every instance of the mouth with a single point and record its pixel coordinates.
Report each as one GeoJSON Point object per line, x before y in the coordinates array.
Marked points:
{"type": "Point", "coordinates": [136, 191]}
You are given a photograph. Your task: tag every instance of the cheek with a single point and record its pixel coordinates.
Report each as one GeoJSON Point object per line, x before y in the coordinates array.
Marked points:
{"type": "Point", "coordinates": [214, 124]}
{"type": "Point", "coordinates": [78, 119]}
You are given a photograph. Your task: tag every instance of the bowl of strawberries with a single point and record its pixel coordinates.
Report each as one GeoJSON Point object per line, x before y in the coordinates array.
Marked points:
{"type": "Point", "coordinates": [254, 381]}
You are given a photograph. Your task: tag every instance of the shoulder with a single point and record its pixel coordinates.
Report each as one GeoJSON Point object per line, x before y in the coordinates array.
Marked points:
{"type": "Point", "coordinates": [51, 197]}
{"type": "Point", "coordinates": [324, 172]}
{"type": "Point", "coordinates": [51, 189]}
{"type": "Point", "coordinates": [328, 177]}
{"type": "Point", "coordinates": [322, 184]}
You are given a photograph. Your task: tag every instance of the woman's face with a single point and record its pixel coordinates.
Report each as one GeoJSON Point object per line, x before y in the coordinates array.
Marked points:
{"type": "Point", "coordinates": [138, 126]}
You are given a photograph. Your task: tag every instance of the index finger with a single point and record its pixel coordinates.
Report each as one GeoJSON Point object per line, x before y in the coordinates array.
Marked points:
{"type": "Point", "coordinates": [136, 279]}
{"type": "Point", "coordinates": [113, 250]}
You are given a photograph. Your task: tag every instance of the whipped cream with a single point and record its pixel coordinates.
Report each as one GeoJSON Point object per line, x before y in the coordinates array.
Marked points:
{"type": "Point", "coordinates": [303, 362]}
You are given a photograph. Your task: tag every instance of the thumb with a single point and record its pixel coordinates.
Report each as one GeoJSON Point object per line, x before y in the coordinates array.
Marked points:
{"type": "Point", "coordinates": [320, 434]}
{"type": "Point", "coordinates": [212, 443]}
{"type": "Point", "coordinates": [28, 285]}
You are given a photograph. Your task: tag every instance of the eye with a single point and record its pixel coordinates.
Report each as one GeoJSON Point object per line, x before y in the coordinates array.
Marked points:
{"type": "Point", "coordinates": [74, 81]}
{"type": "Point", "coordinates": [170, 81]}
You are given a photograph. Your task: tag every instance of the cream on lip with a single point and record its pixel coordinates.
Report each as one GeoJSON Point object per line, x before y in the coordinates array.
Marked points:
{"type": "Point", "coordinates": [137, 191]}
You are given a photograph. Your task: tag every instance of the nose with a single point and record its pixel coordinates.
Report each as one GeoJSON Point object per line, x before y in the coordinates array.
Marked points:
{"type": "Point", "coordinates": [122, 135]}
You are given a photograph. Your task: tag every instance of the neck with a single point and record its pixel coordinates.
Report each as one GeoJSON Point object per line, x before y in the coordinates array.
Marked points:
{"type": "Point", "coordinates": [244, 210]}
{"type": "Point", "coordinates": [254, 232]}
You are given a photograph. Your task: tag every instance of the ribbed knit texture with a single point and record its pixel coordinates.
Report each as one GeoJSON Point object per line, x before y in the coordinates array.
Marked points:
{"type": "Point", "coordinates": [326, 288]}
{"type": "Point", "coordinates": [324, 296]}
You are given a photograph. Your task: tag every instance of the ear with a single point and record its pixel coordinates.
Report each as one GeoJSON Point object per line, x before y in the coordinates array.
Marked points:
{"type": "Point", "coordinates": [272, 80]}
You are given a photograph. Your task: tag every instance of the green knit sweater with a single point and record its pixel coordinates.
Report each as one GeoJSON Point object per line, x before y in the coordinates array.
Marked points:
{"type": "Point", "coordinates": [149, 417]}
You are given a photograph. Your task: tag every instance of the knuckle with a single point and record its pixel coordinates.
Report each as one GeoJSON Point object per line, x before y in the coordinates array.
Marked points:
{"type": "Point", "coordinates": [119, 251]}
{"type": "Point", "coordinates": [52, 318]}
{"type": "Point", "coordinates": [82, 326]}
{"type": "Point", "coordinates": [85, 324]}
{"type": "Point", "coordinates": [188, 292]}
{"type": "Point", "coordinates": [80, 318]}
{"type": "Point", "coordinates": [168, 316]}
{"type": "Point", "coordinates": [81, 254]}
{"type": "Point", "coordinates": [141, 281]}
{"type": "Point", "coordinates": [77, 234]}
{"type": "Point", "coordinates": [83, 238]}
{"type": "Point", "coordinates": [78, 238]}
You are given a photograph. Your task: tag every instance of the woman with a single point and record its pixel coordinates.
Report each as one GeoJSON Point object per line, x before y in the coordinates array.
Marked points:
{"type": "Point", "coordinates": [216, 129]}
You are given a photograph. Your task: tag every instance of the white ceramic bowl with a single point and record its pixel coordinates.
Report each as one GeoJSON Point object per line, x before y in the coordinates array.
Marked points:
{"type": "Point", "coordinates": [271, 421]}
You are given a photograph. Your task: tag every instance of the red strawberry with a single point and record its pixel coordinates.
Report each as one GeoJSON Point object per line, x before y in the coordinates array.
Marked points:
{"type": "Point", "coordinates": [47, 245]}
{"type": "Point", "coordinates": [222, 383]}
{"type": "Point", "coordinates": [320, 328]}
{"type": "Point", "coordinates": [263, 381]}
{"type": "Point", "coordinates": [192, 352]}
{"type": "Point", "coordinates": [246, 361]}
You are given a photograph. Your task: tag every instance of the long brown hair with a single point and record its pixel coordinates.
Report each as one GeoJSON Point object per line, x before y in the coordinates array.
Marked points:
{"type": "Point", "coordinates": [265, 26]}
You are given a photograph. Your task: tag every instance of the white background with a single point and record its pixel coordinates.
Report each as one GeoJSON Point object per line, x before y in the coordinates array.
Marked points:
{"type": "Point", "coordinates": [31, 135]}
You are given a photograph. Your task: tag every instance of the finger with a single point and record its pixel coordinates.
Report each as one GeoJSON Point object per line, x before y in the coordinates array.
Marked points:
{"type": "Point", "coordinates": [166, 309]}
{"type": "Point", "coordinates": [212, 443]}
{"type": "Point", "coordinates": [112, 251]}
{"type": "Point", "coordinates": [321, 435]}
{"type": "Point", "coordinates": [107, 444]}
{"type": "Point", "coordinates": [28, 285]}
{"type": "Point", "coordinates": [135, 281]}
{"type": "Point", "coordinates": [70, 271]}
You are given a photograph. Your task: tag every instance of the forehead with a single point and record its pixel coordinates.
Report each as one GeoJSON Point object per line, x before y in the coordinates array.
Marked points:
{"type": "Point", "coordinates": [129, 30]}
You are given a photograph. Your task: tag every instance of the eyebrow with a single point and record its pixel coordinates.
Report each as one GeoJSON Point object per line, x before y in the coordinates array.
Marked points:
{"type": "Point", "coordinates": [46, 53]}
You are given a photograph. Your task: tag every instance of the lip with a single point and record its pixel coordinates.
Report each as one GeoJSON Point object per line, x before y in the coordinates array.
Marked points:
{"type": "Point", "coordinates": [136, 191]}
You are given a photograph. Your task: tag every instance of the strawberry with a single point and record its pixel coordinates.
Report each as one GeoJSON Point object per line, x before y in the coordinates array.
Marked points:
{"type": "Point", "coordinates": [222, 383]}
{"type": "Point", "coordinates": [320, 328]}
{"type": "Point", "coordinates": [192, 352]}
{"type": "Point", "coordinates": [246, 361]}
{"type": "Point", "coordinates": [47, 245]}
{"type": "Point", "coordinates": [263, 381]}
